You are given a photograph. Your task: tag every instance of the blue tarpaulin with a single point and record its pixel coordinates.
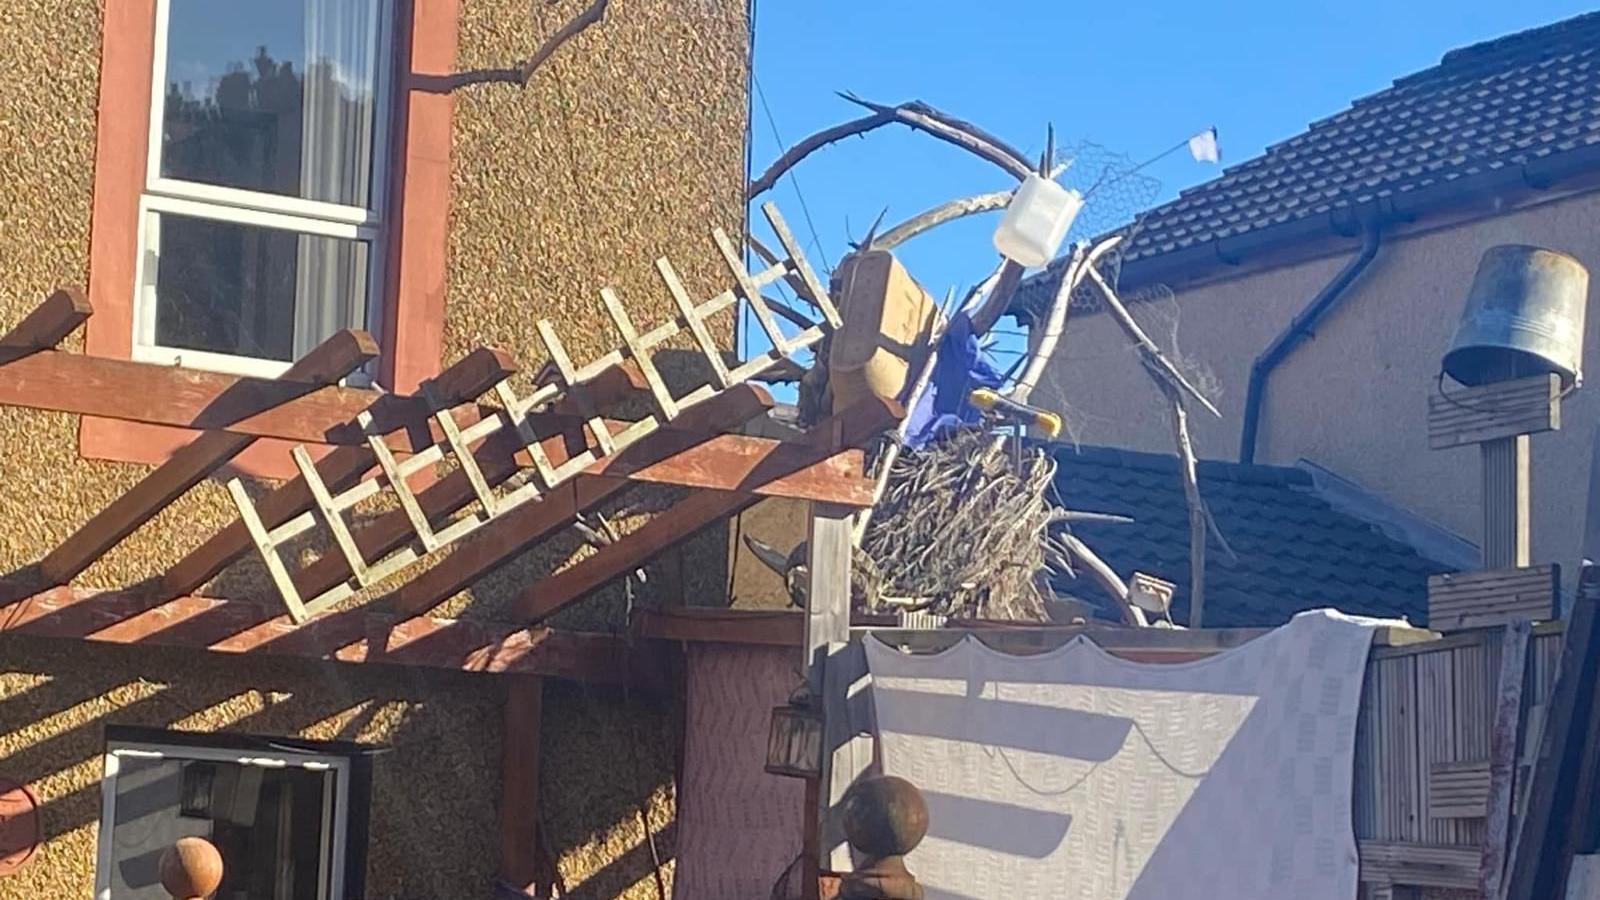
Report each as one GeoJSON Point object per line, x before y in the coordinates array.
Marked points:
{"type": "Point", "coordinates": [959, 369]}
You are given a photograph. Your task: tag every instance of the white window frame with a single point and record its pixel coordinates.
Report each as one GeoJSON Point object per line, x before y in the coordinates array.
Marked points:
{"type": "Point", "coordinates": [255, 208]}
{"type": "Point", "coordinates": [335, 803]}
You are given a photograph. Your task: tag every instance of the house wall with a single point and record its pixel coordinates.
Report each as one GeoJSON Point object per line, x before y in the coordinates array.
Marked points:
{"type": "Point", "coordinates": [1354, 398]}
{"type": "Point", "coordinates": [628, 145]}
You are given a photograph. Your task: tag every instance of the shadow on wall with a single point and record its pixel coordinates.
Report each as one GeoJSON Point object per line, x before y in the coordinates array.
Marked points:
{"type": "Point", "coordinates": [433, 818]}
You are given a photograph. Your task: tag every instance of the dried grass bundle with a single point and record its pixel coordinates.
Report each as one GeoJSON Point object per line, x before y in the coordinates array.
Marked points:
{"type": "Point", "coordinates": [963, 531]}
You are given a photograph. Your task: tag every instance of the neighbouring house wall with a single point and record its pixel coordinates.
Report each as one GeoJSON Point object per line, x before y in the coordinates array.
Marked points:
{"type": "Point", "coordinates": [1354, 398]}
{"type": "Point", "coordinates": [628, 145]}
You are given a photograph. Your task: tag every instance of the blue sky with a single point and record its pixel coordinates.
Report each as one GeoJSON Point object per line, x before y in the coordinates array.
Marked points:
{"type": "Point", "coordinates": [1135, 77]}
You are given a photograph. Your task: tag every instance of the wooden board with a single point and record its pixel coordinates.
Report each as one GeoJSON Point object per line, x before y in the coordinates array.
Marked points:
{"type": "Point", "coordinates": [356, 636]}
{"type": "Point", "coordinates": [1420, 865]}
{"type": "Point", "coordinates": [1478, 599]}
{"type": "Point", "coordinates": [1464, 416]}
{"type": "Point", "coordinates": [1458, 790]}
{"type": "Point", "coordinates": [58, 316]}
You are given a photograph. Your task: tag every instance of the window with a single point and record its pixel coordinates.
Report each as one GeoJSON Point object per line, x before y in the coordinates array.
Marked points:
{"type": "Point", "coordinates": [261, 215]}
{"type": "Point", "coordinates": [279, 819]}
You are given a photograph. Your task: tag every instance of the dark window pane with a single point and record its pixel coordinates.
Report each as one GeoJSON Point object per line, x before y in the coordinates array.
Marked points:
{"type": "Point", "coordinates": [251, 291]}
{"type": "Point", "coordinates": [273, 96]}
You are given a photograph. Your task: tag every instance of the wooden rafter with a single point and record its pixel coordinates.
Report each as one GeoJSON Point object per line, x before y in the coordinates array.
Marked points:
{"type": "Point", "coordinates": [51, 321]}
{"type": "Point", "coordinates": [357, 636]}
{"type": "Point", "coordinates": [850, 429]}
{"type": "Point", "coordinates": [328, 363]}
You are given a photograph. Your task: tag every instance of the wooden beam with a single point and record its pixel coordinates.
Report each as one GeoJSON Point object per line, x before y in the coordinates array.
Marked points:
{"type": "Point", "coordinates": [327, 363]}
{"type": "Point", "coordinates": [665, 530]}
{"type": "Point", "coordinates": [852, 428]}
{"type": "Point", "coordinates": [1494, 411]}
{"type": "Point", "coordinates": [519, 785]}
{"type": "Point", "coordinates": [211, 401]}
{"type": "Point", "coordinates": [1505, 748]}
{"type": "Point", "coordinates": [770, 628]}
{"type": "Point", "coordinates": [58, 316]}
{"type": "Point", "coordinates": [504, 539]}
{"type": "Point", "coordinates": [466, 379]}
{"type": "Point", "coordinates": [354, 636]}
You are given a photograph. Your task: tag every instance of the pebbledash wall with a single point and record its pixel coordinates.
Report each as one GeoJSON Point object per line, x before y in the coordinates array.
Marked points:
{"type": "Point", "coordinates": [627, 146]}
{"type": "Point", "coordinates": [1353, 398]}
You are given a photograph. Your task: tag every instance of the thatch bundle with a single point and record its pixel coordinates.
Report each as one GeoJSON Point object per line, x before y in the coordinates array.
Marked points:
{"type": "Point", "coordinates": [963, 529]}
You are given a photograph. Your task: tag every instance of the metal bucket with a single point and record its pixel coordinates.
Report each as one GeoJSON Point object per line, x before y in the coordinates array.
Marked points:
{"type": "Point", "coordinates": [1523, 317]}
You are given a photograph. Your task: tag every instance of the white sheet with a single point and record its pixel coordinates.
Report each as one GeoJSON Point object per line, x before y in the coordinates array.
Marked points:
{"type": "Point", "coordinates": [1075, 775]}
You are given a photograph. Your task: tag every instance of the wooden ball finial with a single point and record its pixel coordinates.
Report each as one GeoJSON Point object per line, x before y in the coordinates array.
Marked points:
{"type": "Point", "coordinates": [191, 869]}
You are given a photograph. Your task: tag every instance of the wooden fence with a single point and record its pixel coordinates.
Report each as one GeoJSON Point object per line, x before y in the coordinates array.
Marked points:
{"type": "Point", "coordinates": [1422, 757]}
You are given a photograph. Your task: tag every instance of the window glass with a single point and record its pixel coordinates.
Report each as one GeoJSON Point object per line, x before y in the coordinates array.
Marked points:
{"type": "Point", "coordinates": [278, 97]}
{"type": "Point", "coordinates": [272, 826]}
{"type": "Point", "coordinates": [252, 291]}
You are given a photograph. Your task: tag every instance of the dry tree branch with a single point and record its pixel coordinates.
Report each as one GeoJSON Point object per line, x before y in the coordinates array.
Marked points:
{"type": "Point", "coordinates": [1056, 321]}
{"type": "Point", "coordinates": [948, 211]}
{"type": "Point", "coordinates": [1151, 354]}
{"type": "Point", "coordinates": [915, 114]}
{"type": "Point", "coordinates": [1106, 576]}
{"type": "Point", "coordinates": [522, 73]}
{"type": "Point", "coordinates": [795, 317]}
{"type": "Point", "coordinates": [1198, 520]}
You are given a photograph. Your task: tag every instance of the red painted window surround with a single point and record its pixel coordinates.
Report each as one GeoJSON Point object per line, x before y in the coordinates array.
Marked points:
{"type": "Point", "coordinates": [416, 239]}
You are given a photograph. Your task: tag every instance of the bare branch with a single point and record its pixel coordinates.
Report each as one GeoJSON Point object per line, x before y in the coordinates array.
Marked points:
{"type": "Point", "coordinates": [1152, 354]}
{"type": "Point", "coordinates": [1198, 523]}
{"type": "Point", "coordinates": [795, 317]}
{"type": "Point", "coordinates": [1106, 576]}
{"type": "Point", "coordinates": [916, 115]}
{"type": "Point", "coordinates": [1056, 321]}
{"type": "Point", "coordinates": [948, 211]}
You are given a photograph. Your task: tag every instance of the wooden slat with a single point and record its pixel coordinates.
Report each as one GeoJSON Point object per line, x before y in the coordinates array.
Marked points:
{"type": "Point", "coordinates": [1421, 865]}
{"type": "Point", "coordinates": [665, 530]}
{"type": "Point", "coordinates": [329, 362]}
{"type": "Point", "coordinates": [1458, 790]}
{"type": "Point", "coordinates": [469, 377]}
{"type": "Point", "coordinates": [1497, 597]}
{"type": "Point", "coordinates": [208, 401]}
{"type": "Point", "coordinates": [1499, 410]}
{"type": "Point", "coordinates": [666, 407]}
{"type": "Point", "coordinates": [691, 317]}
{"type": "Point", "coordinates": [58, 316]}
{"type": "Point", "coordinates": [1436, 746]}
{"type": "Point", "coordinates": [520, 740]}
{"type": "Point", "coordinates": [357, 636]}
{"type": "Point", "coordinates": [515, 531]}
{"type": "Point", "coordinates": [1504, 750]}
{"type": "Point", "coordinates": [852, 428]}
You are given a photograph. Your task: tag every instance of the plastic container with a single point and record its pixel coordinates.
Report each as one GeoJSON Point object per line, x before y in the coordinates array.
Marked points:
{"type": "Point", "coordinates": [1036, 221]}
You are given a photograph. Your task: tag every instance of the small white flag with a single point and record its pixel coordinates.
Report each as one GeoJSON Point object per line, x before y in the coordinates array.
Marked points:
{"type": "Point", "coordinates": [1203, 146]}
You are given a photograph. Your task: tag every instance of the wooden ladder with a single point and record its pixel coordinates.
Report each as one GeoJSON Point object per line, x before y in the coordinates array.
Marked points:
{"type": "Point", "coordinates": [492, 498]}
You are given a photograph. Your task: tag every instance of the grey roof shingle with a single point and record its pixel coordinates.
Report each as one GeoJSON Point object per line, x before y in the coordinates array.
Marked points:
{"type": "Point", "coordinates": [1500, 104]}
{"type": "Point", "coordinates": [1294, 551]}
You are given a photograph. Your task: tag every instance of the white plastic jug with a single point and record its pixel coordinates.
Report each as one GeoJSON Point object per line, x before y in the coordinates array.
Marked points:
{"type": "Point", "coordinates": [1036, 221]}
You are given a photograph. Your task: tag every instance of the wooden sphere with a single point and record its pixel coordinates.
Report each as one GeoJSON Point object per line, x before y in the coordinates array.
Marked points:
{"type": "Point", "coordinates": [191, 869]}
{"type": "Point", "coordinates": [885, 816]}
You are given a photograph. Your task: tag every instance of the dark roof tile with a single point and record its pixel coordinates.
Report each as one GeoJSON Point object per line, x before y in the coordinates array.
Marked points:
{"type": "Point", "coordinates": [1293, 550]}
{"type": "Point", "coordinates": [1481, 108]}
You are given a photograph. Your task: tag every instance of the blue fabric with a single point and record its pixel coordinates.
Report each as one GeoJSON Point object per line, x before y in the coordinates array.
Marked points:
{"type": "Point", "coordinates": [959, 369]}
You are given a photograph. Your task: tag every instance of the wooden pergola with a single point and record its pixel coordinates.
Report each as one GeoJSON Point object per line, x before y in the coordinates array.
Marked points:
{"type": "Point", "coordinates": [524, 468]}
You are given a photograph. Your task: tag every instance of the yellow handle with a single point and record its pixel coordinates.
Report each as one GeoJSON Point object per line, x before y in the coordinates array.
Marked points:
{"type": "Point", "coordinates": [990, 400]}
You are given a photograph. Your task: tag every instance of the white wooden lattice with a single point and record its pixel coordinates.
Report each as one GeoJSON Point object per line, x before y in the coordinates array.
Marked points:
{"type": "Point", "coordinates": [491, 500]}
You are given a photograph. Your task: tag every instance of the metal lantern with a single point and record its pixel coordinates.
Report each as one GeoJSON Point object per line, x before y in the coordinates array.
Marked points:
{"type": "Point", "coordinates": [794, 741]}
{"type": "Point", "coordinates": [1523, 316]}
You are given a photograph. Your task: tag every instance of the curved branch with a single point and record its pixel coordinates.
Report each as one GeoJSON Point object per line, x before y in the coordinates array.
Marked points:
{"type": "Point", "coordinates": [1056, 321]}
{"type": "Point", "coordinates": [915, 114]}
{"type": "Point", "coordinates": [938, 215]}
{"type": "Point", "coordinates": [521, 73]}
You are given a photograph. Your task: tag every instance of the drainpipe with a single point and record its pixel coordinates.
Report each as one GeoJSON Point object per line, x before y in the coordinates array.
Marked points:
{"type": "Point", "coordinates": [1298, 330]}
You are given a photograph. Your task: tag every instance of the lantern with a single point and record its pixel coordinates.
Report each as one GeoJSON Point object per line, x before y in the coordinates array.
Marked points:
{"type": "Point", "coordinates": [794, 741]}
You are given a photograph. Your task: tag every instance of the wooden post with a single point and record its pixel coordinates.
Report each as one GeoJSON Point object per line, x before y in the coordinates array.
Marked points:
{"type": "Point", "coordinates": [1505, 502]}
{"type": "Point", "coordinates": [519, 785]}
{"type": "Point", "coordinates": [1504, 748]}
{"type": "Point", "coordinates": [827, 634]}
